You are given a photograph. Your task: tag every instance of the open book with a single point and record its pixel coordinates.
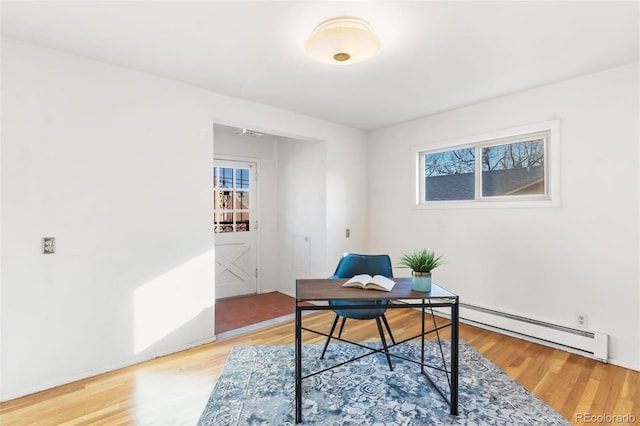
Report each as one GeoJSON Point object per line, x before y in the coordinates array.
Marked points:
{"type": "Point", "coordinates": [367, 282]}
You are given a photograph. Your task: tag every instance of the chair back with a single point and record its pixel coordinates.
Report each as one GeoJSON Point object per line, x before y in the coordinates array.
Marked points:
{"type": "Point", "coordinates": [373, 264]}
{"type": "Point", "coordinates": [354, 264]}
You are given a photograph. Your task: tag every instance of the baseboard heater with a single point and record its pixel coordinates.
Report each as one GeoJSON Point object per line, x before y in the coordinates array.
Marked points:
{"type": "Point", "coordinates": [582, 342]}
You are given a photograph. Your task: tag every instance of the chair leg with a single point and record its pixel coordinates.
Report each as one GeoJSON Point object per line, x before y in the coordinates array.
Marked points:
{"type": "Point", "coordinates": [333, 327]}
{"type": "Point", "coordinates": [384, 343]}
{"type": "Point", "coordinates": [388, 329]}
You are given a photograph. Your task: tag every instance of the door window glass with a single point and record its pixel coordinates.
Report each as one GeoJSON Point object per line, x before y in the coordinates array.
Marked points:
{"type": "Point", "coordinates": [231, 201]}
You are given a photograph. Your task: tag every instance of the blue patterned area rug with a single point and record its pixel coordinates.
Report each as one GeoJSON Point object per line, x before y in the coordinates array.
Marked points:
{"type": "Point", "coordinates": [257, 387]}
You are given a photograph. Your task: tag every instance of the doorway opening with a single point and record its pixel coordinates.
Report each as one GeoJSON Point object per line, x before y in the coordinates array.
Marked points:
{"type": "Point", "coordinates": [256, 226]}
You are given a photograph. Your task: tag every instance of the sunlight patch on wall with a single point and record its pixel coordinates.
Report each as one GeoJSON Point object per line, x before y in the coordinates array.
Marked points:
{"type": "Point", "coordinates": [171, 300]}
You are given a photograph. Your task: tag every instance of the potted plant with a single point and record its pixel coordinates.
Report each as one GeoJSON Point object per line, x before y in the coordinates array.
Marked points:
{"type": "Point", "coordinates": [421, 263]}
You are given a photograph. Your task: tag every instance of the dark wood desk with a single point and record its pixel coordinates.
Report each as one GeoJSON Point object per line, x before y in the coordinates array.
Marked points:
{"type": "Point", "coordinates": [323, 290]}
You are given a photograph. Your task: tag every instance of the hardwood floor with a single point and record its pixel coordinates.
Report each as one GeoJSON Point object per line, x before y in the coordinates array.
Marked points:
{"type": "Point", "coordinates": [173, 390]}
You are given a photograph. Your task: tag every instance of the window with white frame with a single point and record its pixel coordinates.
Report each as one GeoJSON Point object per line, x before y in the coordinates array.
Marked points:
{"type": "Point", "coordinates": [507, 166]}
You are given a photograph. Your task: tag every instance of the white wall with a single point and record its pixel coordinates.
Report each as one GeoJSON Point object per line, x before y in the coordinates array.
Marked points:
{"type": "Point", "coordinates": [318, 200]}
{"type": "Point", "coordinates": [116, 165]}
{"type": "Point", "coordinates": [111, 163]}
{"type": "Point", "coordinates": [347, 191]}
{"type": "Point", "coordinates": [302, 217]}
{"type": "Point", "coordinates": [544, 263]}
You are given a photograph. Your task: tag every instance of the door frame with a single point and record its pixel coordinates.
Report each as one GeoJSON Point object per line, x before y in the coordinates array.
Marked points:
{"type": "Point", "coordinates": [258, 202]}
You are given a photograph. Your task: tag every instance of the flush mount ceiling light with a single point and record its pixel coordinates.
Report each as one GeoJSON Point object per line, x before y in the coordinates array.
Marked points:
{"type": "Point", "coordinates": [344, 40]}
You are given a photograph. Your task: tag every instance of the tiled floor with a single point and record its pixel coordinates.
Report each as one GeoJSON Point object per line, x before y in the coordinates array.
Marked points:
{"type": "Point", "coordinates": [242, 311]}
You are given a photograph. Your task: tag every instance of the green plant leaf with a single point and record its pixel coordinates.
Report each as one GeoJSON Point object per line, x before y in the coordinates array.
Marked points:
{"type": "Point", "coordinates": [421, 261]}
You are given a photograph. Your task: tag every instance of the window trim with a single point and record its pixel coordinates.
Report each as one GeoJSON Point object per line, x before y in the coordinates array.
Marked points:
{"type": "Point", "coordinates": [550, 129]}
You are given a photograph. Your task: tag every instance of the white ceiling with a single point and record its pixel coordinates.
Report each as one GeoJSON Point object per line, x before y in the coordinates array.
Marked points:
{"type": "Point", "coordinates": [436, 55]}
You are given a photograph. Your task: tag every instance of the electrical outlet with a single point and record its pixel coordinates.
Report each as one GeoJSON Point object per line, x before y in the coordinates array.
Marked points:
{"type": "Point", "coordinates": [582, 320]}
{"type": "Point", "coordinates": [347, 233]}
{"type": "Point", "coordinates": [48, 245]}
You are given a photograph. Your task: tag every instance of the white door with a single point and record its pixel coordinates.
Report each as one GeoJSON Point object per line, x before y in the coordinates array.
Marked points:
{"type": "Point", "coordinates": [235, 227]}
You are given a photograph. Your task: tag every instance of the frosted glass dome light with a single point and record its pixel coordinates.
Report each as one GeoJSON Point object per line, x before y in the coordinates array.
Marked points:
{"type": "Point", "coordinates": [344, 40]}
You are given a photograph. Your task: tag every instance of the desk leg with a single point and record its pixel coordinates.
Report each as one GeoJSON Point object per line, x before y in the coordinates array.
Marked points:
{"type": "Point", "coordinates": [422, 339]}
{"type": "Point", "coordinates": [455, 334]}
{"type": "Point", "coordinates": [298, 350]}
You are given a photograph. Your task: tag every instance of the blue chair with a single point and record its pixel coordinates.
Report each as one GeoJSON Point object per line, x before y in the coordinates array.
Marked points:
{"type": "Point", "coordinates": [353, 264]}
